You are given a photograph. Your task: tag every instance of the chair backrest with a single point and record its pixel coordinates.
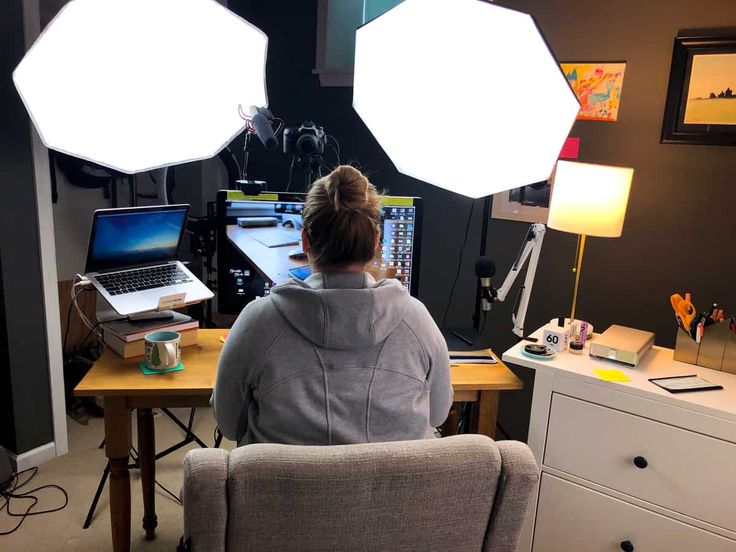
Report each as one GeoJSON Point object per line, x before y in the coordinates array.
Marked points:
{"type": "Point", "coordinates": [464, 493]}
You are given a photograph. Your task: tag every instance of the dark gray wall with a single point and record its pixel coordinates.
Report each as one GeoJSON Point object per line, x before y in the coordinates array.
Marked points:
{"type": "Point", "coordinates": [681, 220]}
{"type": "Point", "coordinates": [677, 193]}
{"type": "Point", "coordinates": [24, 373]}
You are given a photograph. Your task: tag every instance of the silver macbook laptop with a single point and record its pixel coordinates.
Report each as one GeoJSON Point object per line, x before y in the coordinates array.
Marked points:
{"type": "Point", "coordinates": [132, 259]}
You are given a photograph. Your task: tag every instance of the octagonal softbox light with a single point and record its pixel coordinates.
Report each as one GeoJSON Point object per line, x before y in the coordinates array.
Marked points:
{"type": "Point", "coordinates": [140, 84]}
{"type": "Point", "coordinates": [463, 94]}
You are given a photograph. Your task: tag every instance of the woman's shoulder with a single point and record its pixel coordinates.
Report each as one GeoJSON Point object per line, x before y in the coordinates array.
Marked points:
{"type": "Point", "coordinates": [259, 313]}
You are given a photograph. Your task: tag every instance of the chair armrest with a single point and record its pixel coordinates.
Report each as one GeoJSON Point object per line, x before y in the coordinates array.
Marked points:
{"type": "Point", "coordinates": [517, 485]}
{"type": "Point", "coordinates": [204, 497]}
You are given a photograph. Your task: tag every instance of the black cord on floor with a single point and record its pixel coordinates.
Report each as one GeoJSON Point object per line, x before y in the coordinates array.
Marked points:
{"type": "Point", "coordinates": [459, 264]}
{"type": "Point", "coordinates": [11, 495]}
{"type": "Point", "coordinates": [136, 459]}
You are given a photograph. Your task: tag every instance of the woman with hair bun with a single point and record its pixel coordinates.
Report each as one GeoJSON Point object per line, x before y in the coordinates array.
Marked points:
{"type": "Point", "coordinates": [338, 358]}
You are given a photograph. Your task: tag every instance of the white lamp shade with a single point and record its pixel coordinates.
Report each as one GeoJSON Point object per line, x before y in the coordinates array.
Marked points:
{"type": "Point", "coordinates": [589, 199]}
{"type": "Point", "coordinates": [140, 84]}
{"type": "Point", "coordinates": [462, 94]}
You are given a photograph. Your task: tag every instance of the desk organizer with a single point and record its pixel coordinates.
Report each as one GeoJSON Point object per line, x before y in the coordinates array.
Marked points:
{"type": "Point", "coordinates": [717, 348]}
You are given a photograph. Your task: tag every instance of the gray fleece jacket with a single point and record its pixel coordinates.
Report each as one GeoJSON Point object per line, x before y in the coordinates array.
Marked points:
{"type": "Point", "coordinates": [336, 359]}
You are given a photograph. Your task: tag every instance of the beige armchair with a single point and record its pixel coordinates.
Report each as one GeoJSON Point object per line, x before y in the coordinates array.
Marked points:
{"type": "Point", "coordinates": [465, 493]}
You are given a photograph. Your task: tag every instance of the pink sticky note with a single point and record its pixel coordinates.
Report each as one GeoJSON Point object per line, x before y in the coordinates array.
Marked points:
{"type": "Point", "coordinates": [570, 149]}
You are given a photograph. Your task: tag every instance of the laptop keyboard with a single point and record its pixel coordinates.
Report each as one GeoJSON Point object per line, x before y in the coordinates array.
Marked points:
{"type": "Point", "coordinates": [119, 283]}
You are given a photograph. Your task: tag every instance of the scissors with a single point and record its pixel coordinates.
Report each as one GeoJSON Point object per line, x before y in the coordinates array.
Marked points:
{"type": "Point", "coordinates": [684, 310]}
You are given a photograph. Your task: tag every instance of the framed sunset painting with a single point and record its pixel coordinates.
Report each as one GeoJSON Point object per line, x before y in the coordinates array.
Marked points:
{"type": "Point", "coordinates": [701, 99]}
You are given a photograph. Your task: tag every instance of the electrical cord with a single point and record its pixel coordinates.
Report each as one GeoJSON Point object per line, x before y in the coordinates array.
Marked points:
{"type": "Point", "coordinates": [336, 147]}
{"type": "Point", "coordinates": [136, 459]}
{"type": "Point", "coordinates": [10, 495]}
{"type": "Point", "coordinates": [459, 264]}
{"type": "Point", "coordinates": [291, 172]}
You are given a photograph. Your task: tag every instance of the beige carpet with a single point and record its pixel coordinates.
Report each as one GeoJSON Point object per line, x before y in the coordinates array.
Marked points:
{"type": "Point", "coordinates": [79, 472]}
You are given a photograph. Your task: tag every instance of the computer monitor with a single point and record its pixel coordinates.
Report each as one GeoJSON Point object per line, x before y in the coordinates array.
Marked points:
{"type": "Point", "coordinates": [256, 234]}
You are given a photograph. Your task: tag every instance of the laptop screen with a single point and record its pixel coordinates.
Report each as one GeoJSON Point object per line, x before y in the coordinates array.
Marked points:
{"type": "Point", "coordinates": [135, 236]}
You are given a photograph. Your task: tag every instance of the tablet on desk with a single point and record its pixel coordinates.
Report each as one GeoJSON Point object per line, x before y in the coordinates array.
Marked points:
{"type": "Point", "coordinates": [682, 384]}
{"type": "Point", "coordinates": [301, 273]}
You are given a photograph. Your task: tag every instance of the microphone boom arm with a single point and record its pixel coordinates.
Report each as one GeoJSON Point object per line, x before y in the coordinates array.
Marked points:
{"type": "Point", "coordinates": [530, 249]}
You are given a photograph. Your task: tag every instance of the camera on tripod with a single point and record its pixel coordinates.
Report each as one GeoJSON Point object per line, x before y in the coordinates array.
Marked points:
{"type": "Point", "coordinates": [308, 140]}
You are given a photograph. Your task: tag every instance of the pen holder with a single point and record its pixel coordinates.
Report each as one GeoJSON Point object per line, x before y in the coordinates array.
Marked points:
{"type": "Point", "coordinates": [717, 348]}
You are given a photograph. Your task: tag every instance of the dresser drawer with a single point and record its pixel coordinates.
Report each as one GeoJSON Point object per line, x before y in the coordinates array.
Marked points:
{"type": "Point", "coordinates": [677, 469]}
{"type": "Point", "coordinates": [573, 518]}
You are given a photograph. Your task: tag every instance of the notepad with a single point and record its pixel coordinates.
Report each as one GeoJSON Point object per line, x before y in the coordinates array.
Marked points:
{"type": "Point", "coordinates": [611, 375]}
{"type": "Point", "coordinates": [471, 357]}
{"type": "Point", "coordinates": [277, 239]}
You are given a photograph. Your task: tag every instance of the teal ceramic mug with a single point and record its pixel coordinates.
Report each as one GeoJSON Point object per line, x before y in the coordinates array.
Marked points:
{"type": "Point", "coordinates": [162, 350]}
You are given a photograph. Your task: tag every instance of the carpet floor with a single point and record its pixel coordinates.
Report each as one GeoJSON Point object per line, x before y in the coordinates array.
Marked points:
{"type": "Point", "coordinates": [79, 472]}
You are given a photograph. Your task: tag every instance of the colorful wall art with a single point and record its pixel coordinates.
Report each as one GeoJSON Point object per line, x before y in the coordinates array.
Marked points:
{"type": "Point", "coordinates": [598, 87]}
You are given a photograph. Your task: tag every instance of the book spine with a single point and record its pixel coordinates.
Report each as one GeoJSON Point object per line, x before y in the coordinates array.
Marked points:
{"type": "Point", "coordinates": [184, 326]}
{"type": "Point", "coordinates": [137, 348]}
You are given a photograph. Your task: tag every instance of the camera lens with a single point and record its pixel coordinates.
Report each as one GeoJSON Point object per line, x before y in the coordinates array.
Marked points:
{"type": "Point", "coordinates": [307, 144]}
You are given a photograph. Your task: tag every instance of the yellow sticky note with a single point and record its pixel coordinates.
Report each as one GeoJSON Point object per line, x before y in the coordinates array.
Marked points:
{"type": "Point", "coordinates": [611, 375]}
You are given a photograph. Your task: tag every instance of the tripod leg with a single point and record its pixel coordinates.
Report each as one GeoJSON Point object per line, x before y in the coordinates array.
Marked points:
{"type": "Point", "coordinates": [189, 434]}
{"type": "Point", "coordinates": [96, 499]}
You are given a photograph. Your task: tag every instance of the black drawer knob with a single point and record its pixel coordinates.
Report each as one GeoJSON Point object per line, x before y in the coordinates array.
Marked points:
{"type": "Point", "coordinates": [641, 463]}
{"type": "Point", "coordinates": [626, 546]}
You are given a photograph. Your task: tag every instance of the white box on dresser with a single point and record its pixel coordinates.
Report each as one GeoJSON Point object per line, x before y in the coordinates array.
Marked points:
{"type": "Point", "coordinates": [627, 465]}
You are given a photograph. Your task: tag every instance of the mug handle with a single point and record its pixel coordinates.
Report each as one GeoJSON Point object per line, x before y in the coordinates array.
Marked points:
{"type": "Point", "coordinates": [170, 349]}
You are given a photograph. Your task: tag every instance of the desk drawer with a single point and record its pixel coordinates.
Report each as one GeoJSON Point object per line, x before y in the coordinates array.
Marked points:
{"type": "Point", "coordinates": [675, 468]}
{"type": "Point", "coordinates": [571, 517]}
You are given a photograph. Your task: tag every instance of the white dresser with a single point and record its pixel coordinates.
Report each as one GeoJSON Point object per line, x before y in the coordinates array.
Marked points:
{"type": "Point", "coordinates": [628, 466]}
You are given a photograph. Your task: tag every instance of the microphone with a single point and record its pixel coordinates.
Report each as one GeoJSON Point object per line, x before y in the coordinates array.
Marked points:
{"type": "Point", "coordinates": [260, 119]}
{"type": "Point", "coordinates": [485, 269]}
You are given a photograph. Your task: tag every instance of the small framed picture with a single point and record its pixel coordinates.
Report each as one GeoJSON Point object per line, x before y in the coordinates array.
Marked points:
{"type": "Point", "coordinates": [526, 204]}
{"type": "Point", "coordinates": [701, 98]}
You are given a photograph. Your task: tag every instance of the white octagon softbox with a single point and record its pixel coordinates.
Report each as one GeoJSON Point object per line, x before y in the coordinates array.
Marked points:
{"type": "Point", "coordinates": [463, 94]}
{"type": "Point", "coordinates": [140, 84]}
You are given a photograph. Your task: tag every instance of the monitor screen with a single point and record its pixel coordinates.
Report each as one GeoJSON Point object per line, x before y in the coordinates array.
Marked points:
{"type": "Point", "coordinates": [130, 237]}
{"type": "Point", "coordinates": [400, 233]}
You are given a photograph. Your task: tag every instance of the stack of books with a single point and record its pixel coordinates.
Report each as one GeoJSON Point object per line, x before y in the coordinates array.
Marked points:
{"type": "Point", "coordinates": [126, 337]}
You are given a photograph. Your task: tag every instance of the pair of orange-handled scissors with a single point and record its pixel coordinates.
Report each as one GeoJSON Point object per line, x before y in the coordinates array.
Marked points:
{"type": "Point", "coordinates": [684, 310]}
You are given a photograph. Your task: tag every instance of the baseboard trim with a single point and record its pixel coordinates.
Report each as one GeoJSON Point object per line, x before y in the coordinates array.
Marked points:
{"type": "Point", "coordinates": [35, 457]}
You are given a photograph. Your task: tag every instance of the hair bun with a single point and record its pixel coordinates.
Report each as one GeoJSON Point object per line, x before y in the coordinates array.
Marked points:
{"type": "Point", "coordinates": [349, 188]}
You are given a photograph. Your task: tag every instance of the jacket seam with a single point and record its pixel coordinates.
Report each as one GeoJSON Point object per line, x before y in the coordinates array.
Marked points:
{"type": "Point", "coordinates": [370, 389]}
{"type": "Point", "coordinates": [259, 363]}
{"type": "Point", "coordinates": [327, 394]}
{"type": "Point", "coordinates": [325, 318]}
{"type": "Point", "coordinates": [424, 349]}
{"type": "Point", "coordinates": [284, 380]}
{"type": "Point", "coordinates": [401, 374]}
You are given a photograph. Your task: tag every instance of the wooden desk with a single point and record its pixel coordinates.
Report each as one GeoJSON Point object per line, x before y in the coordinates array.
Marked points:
{"type": "Point", "coordinates": [125, 388]}
{"type": "Point", "coordinates": [271, 263]}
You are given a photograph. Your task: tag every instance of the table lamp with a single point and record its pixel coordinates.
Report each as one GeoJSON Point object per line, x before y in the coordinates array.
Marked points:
{"type": "Point", "coordinates": [588, 200]}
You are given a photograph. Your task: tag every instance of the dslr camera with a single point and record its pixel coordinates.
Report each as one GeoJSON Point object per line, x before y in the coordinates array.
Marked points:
{"type": "Point", "coordinates": [306, 141]}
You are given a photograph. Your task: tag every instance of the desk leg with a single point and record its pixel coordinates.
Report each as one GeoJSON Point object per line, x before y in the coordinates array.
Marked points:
{"type": "Point", "coordinates": [147, 458]}
{"type": "Point", "coordinates": [117, 448]}
{"type": "Point", "coordinates": [488, 413]}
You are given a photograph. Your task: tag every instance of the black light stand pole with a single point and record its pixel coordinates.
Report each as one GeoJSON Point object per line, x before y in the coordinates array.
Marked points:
{"type": "Point", "coordinates": [483, 239]}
